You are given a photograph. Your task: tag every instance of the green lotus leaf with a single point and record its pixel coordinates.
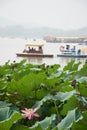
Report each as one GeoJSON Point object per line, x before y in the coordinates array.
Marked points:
{"type": "Point", "coordinates": [7, 118]}
{"type": "Point", "coordinates": [61, 96]}
{"type": "Point", "coordinates": [44, 124]}
{"type": "Point", "coordinates": [71, 117]}
{"type": "Point", "coordinates": [81, 124]}
{"type": "Point", "coordinates": [19, 127]}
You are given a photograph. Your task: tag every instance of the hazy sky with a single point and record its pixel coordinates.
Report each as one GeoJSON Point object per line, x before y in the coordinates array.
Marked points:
{"type": "Point", "coordinates": [64, 14]}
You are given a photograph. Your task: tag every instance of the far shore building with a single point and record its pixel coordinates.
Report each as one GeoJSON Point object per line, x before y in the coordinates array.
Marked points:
{"type": "Point", "coordinates": [66, 39]}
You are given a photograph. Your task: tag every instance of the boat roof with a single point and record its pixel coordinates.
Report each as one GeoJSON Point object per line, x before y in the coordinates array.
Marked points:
{"type": "Point", "coordinates": [84, 48]}
{"type": "Point", "coordinates": [34, 44]}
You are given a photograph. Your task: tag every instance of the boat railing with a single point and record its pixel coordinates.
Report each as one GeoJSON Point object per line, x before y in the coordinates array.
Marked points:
{"type": "Point", "coordinates": [69, 52]}
{"type": "Point", "coordinates": [32, 51]}
{"type": "Point", "coordinates": [35, 51]}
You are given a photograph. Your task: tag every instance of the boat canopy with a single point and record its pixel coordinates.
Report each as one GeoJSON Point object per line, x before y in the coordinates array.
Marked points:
{"type": "Point", "coordinates": [34, 44]}
{"type": "Point", "coordinates": [84, 49]}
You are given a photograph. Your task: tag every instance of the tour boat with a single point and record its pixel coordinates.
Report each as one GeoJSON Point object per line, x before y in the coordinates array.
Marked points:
{"type": "Point", "coordinates": [33, 50]}
{"type": "Point", "coordinates": [72, 53]}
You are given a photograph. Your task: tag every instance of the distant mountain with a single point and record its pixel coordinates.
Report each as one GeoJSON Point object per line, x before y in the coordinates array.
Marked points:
{"type": "Point", "coordinates": [22, 32]}
{"type": "Point", "coordinates": [9, 28]}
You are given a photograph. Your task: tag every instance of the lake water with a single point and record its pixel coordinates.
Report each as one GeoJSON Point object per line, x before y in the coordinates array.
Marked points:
{"type": "Point", "coordinates": [10, 46]}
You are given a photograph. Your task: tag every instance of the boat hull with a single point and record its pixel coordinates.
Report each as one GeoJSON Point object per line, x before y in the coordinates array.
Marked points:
{"type": "Point", "coordinates": [33, 55]}
{"type": "Point", "coordinates": [72, 56]}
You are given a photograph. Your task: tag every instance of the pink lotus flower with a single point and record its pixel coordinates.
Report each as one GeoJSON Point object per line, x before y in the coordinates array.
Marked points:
{"type": "Point", "coordinates": [30, 113]}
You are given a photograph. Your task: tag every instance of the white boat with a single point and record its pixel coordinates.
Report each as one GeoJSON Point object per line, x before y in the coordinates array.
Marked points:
{"type": "Point", "coordinates": [34, 50]}
{"type": "Point", "coordinates": [72, 53]}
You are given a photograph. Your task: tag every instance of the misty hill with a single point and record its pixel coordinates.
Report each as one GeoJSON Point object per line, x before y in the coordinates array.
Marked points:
{"type": "Point", "coordinates": [9, 28]}
{"type": "Point", "coordinates": [39, 32]}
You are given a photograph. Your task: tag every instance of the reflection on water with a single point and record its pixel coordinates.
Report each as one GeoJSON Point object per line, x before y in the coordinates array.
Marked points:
{"type": "Point", "coordinates": [9, 48]}
{"type": "Point", "coordinates": [34, 60]}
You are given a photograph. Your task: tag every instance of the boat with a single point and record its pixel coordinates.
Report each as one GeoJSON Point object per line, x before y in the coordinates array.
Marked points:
{"type": "Point", "coordinates": [72, 56]}
{"type": "Point", "coordinates": [33, 50]}
{"type": "Point", "coordinates": [72, 53]}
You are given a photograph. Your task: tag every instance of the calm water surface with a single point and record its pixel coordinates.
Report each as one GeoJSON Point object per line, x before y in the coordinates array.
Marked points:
{"type": "Point", "coordinates": [10, 46]}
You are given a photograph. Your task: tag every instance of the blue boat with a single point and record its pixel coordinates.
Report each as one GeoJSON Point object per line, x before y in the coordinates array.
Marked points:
{"type": "Point", "coordinates": [72, 53]}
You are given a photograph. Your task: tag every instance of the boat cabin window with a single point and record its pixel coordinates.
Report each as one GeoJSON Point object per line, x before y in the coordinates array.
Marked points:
{"type": "Point", "coordinates": [73, 49]}
{"type": "Point", "coordinates": [79, 51]}
{"type": "Point", "coordinates": [31, 48]}
{"type": "Point", "coordinates": [67, 47]}
{"type": "Point", "coordinates": [40, 48]}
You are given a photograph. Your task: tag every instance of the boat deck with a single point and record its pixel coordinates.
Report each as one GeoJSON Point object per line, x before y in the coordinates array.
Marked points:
{"type": "Point", "coordinates": [72, 56]}
{"type": "Point", "coordinates": [34, 55]}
